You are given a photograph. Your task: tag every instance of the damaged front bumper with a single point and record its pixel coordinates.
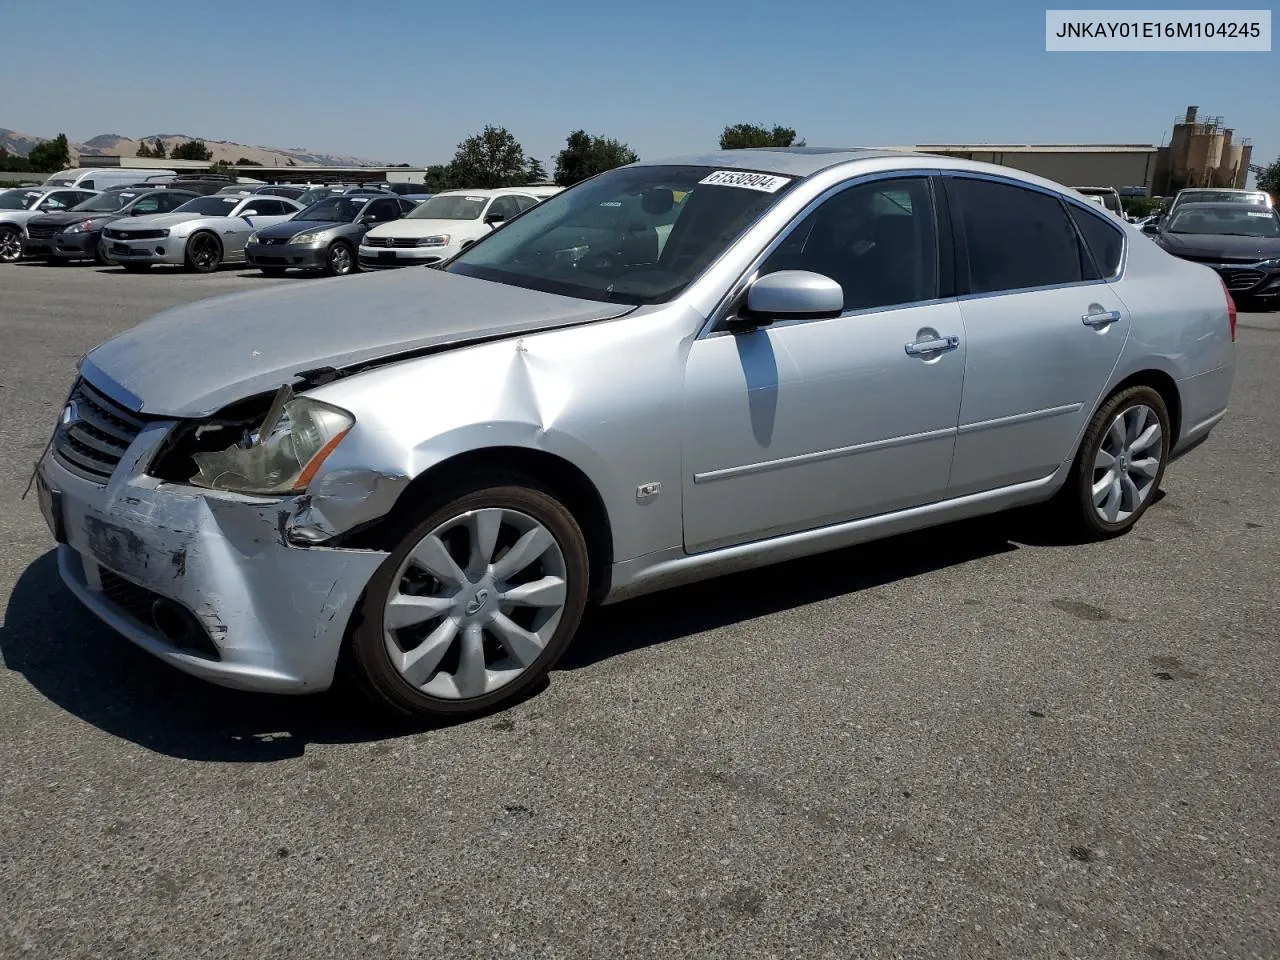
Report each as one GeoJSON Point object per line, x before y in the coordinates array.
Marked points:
{"type": "Point", "coordinates": [213, 583]}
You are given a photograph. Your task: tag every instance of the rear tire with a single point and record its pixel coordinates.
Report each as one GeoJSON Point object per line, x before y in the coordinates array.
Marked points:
{"type": "Point", "coordinates": [1119, 466]}
{"type": "Point", "coordinates": [481, 595]}
{"type": "Point", "coordinates": [204, 253]}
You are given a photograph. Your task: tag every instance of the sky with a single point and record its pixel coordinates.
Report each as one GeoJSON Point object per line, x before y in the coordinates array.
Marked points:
{"type": "Point", "coordinates": [402, 82]}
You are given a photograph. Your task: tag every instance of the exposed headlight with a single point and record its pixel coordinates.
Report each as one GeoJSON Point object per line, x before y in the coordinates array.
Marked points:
{"type": "Point", "coordinates": [253, 238]}
{"type": "Point", "coordinates": [442, 240]}
{"type": "Point", "coordinates": [283, 455]}
{"type": "Point", "coordinates": [84, 226]}
{"type": "Point", "coordinates": [313, 237]}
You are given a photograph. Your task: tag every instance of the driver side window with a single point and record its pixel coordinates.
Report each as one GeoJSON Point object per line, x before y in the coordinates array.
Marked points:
{"type": "Point", "coordinates": [878, 240]}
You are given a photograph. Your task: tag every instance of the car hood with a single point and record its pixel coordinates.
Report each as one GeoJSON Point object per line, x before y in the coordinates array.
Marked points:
{"type": "Point", "coordinates": [1215, 245]}
{"type": "Point", "coordinates": [293, 227]}
{"type": "Point", "coordinates": [191, 361]}
{"type": "Point", "coordinates": [67, 217]}
{"type": "Point", "coordinates": [18, 216]}
{"type": "Point", "coordinates": [154, 220]}
{"type": "Point", "coordinates": [428, 228]}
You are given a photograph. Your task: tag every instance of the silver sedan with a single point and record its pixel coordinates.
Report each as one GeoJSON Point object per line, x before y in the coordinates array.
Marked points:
{"type": "Point", "coordinates": [21, 204]}
{"type": "Point", "coordinates": [202, 234]}
{"type": "Point", "coordinates": [670, 371]}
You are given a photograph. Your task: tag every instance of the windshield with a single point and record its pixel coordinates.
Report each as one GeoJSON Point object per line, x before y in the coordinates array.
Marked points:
{"type": "Point", "coordinates": [453, 206]}
{"type": "Point", "coordinates": [105, 202]}
{"type": "Point", "coordinates": [214, 206]}
{"type": "Point", "coordinates": [634, 235]}
{"type": "Point", "coordinates": [317, 193]}
{"type": "Point", "coordinates": [334, 209]}
{"type": "Point", "coordinates": [19, 199]}
{"type": "Point", "coordinates": [1244, 222]}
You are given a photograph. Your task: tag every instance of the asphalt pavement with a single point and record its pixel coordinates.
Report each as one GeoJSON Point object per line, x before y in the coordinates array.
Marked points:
{"type": "Point", "coordinates": [970, 742]}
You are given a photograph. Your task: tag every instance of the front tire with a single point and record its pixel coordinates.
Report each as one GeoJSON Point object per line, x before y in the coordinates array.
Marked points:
{"type": "Point", "coordinates": [1119, 465]}
{"type": "Point", "coordinates": [475, 604]}
{"type": "Point", "coordinates": [341, 259]}
{"type": "Point", "coordinates": [204, 253]}
{"type": "Point", "coordinates": [10, 245]}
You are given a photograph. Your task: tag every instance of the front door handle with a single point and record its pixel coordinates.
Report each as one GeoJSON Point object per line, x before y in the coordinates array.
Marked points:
{"type": "Point", "coordinates": [927, 348]}
{"type": "Point", "coordinates": [1100, 320]}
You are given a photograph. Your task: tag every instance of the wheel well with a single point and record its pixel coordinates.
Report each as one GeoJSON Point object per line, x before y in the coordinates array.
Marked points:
{"type": "Point", "coordinates": [569, 485]}
{"type": "Point", "coordinates": [209, 233]}
{"type": "Point", "coordinates": [1163, 384]}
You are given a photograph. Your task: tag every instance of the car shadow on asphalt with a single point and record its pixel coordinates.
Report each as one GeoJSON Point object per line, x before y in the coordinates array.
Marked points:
{"type": "Point", "coordinates": [87, 669]}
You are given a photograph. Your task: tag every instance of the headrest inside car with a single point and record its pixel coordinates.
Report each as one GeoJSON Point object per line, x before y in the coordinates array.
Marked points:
{"type": "Point", "coordinates": [656, 201]}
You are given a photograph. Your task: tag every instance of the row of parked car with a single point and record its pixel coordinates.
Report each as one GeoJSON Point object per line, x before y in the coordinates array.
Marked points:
{"type": "Point", "coordinates": [202, 223]}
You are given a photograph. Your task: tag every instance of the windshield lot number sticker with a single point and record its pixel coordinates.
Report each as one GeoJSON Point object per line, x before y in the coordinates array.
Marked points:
{"type": "Point", "coordinates": [750, 181]}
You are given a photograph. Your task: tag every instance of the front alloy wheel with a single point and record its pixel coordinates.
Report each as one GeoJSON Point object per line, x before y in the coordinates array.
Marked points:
{"type": "Point", "coordinates": [476, 604]}
{"type": "Point", "coordinates": [10, 245]}
{"type": "Point", "coordinates": [340, 262]}
{"type": "Point", "coordinates": [204, 253]}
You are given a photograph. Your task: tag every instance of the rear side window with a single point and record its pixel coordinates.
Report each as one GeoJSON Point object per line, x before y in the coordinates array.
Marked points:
{"type": "Point", "coordinates": [1104, 241]}
{"type": "Point", "coordinates": [1016, 238]}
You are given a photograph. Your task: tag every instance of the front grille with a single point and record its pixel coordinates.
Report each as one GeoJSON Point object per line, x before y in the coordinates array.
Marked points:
{"type": "Point", "coordinates": [41, 231]}
{"type": "Point", "coordinates": [1240, 281]}
{"type": "Point", "coordinates": [404, 243]}
{"type": "Point", "coordinates": [1216, 260]}
{"type": "Point", "coordinates": [94, 434]}
{"type": "Point", "coordinates": [271, 241]}
{"type": "Point", "coordinates": [377, 241]}
{"type": "Point", "coordinates": [139, 603]}
{"type": "Point", "coordinates": [401, 243]}
{"type": "Point", "coordinates": [134, 234]}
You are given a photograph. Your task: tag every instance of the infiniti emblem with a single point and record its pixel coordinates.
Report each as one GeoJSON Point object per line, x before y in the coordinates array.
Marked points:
{"type": "Point", "coordinates": [476, 603]}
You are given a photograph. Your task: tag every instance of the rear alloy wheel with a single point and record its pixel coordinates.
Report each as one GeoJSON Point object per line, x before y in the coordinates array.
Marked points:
{"type": "Point", "coordinates": [475, 604]}
{"type": "Point", "coordinates": [204, 253]}
{"type": "Point", "coordinates": [10, 245]}
{"type": "Point", "coordinates": [340, 261]}
{"type": "Point", "coordinates": [1119, 465]}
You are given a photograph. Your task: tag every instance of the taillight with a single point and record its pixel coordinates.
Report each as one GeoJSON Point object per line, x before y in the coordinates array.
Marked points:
{"type": "Point", "coordinates": [1231, 312]}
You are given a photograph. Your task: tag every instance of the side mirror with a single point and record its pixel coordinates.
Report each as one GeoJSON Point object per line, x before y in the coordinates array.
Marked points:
{"type": "Point", "coordinates": [1152, 227]}
{"type": "Point", "coordinates": [790, 295]}
{"type": "Point", "coordinates": [493, 219]}
{"type": "Point", "coordinates": [249, 213]}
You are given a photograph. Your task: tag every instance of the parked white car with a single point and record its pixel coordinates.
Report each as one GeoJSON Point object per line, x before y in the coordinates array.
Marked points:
{"type": "Point", "coordinates": [443, 225]}
{"type": "Point", "coordinates": [19, 205]}
{"type": "Point", "coordinates": [202, 234]}
{"type": "Point", "coordinates": [100, 178]}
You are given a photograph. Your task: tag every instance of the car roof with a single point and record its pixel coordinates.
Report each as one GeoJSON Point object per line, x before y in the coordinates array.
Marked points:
{"type": "Point", "coordinates": [789, 161]}
{"type": "Point", "coordinates": [1227, 205]}
{"type": "Point", "coordinates": [1216, 190]}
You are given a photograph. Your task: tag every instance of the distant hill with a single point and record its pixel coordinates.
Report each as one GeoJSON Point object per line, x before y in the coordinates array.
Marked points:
{"type": "Point", "coordinates": [112, 144]}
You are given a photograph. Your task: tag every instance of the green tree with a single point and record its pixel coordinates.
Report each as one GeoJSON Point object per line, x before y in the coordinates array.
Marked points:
{"type": "Point", "coordinates": [1269, 180]}
{"type": "Point", "coordinates": [584, 156]}
{"type": "Point", "coordinates": [246, 162]}
{"type": "Point", "coordinates": [221, 166]}
{"type": "Point", "coordinates": [157, 150]}
{"type": "Point", "coordinates": [491, 158]}
{"type": "Point", "coordinates": [192, 150]}
{"type": "Point", "coordinates": [51, 155]}
{"type": "Point", "coordinates": [143, 150]}
{"type": "Point", "coordinates": [12, 164]}
{"type": "Point", "coordinates": [438, 177]}
{"type": "Point", "coordinates": [743, 135]}
{"type": "Point", "coordinates": [535, 172]}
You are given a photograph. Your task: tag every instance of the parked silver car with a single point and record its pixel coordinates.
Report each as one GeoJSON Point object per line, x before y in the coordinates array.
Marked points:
{"type": "Point", "coordinates": [435, 470]}
{"type": "Point", "coordinates": [324, 236]}
{"type": "Point", "coordinates": [202, 234]}
{"type": "Point", "coordinates": [20, 204]}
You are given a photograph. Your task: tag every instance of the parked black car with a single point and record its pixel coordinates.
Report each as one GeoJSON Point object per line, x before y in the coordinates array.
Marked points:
{"type": "Point", "coordinates": [1241, 242]}
{"type": "Point", "coordinates": [75, 234]}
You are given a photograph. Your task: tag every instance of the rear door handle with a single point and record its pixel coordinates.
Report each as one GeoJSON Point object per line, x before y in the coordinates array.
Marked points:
{"type": "Point", "coordinates": [926, 348]}
{"type": "Point", "coordinates": [1100, 320]}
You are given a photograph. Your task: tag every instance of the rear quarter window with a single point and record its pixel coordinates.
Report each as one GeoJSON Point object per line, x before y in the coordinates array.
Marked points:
{"type": "Point", "coordinates": [1105, 242]}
